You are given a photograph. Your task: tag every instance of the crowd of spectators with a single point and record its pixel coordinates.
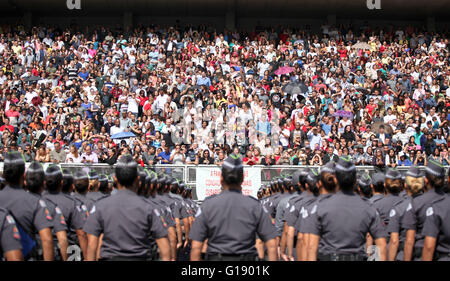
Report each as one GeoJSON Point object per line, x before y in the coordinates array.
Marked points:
{"type": "Point", "coordinates": [193, 95]}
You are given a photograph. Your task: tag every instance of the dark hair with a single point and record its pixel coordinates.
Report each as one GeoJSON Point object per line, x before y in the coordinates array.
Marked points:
{"type": "Point", "coordinates": [142, 187]}
{"type": "Point", "coordinates": [327, 179]}
{"type": "Point", "coordinates": [53, 178]}
{"type": "Point", "coordinates": [34, 177]}
{"type": "Point", "coordinates": [103, 183]}
{"type": "Point", "coordinates": [67, 181]}
{"type": "Point", "coordinates": [126, 170]}
{"type": "Point", "coordinates": [81, 182]}
{"type": "Point", "coordinates": [434, 181]}
{"type": "Point", "coordinates": [394, 186]}
{"type": "Point", "coordinates": [378, 187]}
{"type": "Point", "coordinates": [233, 170]}
{"type": "Point", "coordinates": [346, 179]}
{"type": "Point", "coordinates": [13, 167]}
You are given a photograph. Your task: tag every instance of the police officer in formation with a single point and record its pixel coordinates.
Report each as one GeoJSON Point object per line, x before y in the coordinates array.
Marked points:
{"type": "Point", "coordinates": [230, 221]}
{"type": "Point", "coordinates": [326, 214]}
{"type": "Point", "coordinates": [421, 208]}
{"type": "Point", "coordinates": [126, 220]}
{"type": "Point", "coordinates": [34, 183]}
{"type": "Point", "coordinates": [30, 212]}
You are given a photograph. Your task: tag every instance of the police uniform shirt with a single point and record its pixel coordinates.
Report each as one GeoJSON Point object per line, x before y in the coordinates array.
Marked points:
{"type": "Point", "coordinates": [343, 221]}
{"type": "Point", "coordinates": [29, 211]}
{"type": "Point", "coordinates": [72, 215]}
{"type": "Point", "coordinates": [376, 198]}
{"type": "Point", "coordinates": [305, 224]}
{"type": "Point", "coordinates": [59, 222]}
{"type": "Point", "coordinates": [437, 226]}
{"type": "Point", "coordinates": [395, 217]}
{"type": "Point", "coordinates": [126, 221]}
{"type": "Point", "coordinates": [164, 209]}
{"type": "Point", "coordinates": [279, 217]}
{"type": "Point", "coordinates": [95, 195]}
{"type": "Point", "coordinates": [179, 205]}
{"type": "Point", "coordinates": [230, 222]}
{"type": "Point", "coordinates": [271, 204]}
{"type": "Point", "coordinates": [385, 205]}
{"type": "Point", "coordinates": [305, 211]}
{"type": "Point", "coordinates": [85, 203]}
{"type": "Point", "coordinates": [415, 215]}
{"type": "Point", "coordinates": [294, 210]}
{"type": "Point", "coordinates": [171, 203]}
{"type": "Point", "coordinates": [193, 206]}
{"type": "Point", "coordinates": [9, 233]}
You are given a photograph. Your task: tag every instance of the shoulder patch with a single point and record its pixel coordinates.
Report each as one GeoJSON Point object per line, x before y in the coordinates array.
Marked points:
{"type": "Point", "coordinates": [314, 209]}
{"type": "Point", "coordinates": [409, 207]}
{"type": "Point", "coordinates": [156, 212]}
{"type": "Point", "coordinates": [92, 210]}
{"type": "Point", "coordinates": [429, 211]}
{"type": "Point", "coordinates": [287, 205]}
{"type": "Point", "coordinates": [16, 233]}
{"type": "Point", "coordinates": [292, 209]}
{"type": "Point", "coordinates": [10, 219]}
{"type": "Point", "coordinates": [199, 211]}
{"type": "Point", "coordinates": [58, 210]}
{"type": "Point", "coordinates": [305, 214]}
{"type": "Point", "coordinates": [42, 203]}
{"type": "Point", "coordinates": [392, 213]}
{"type": "Point", "coordinates": [83, 207]}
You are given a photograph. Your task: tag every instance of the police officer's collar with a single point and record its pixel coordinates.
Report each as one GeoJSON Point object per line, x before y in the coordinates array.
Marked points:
{"type": "Point", "coordinates": [231, 190]}
{"type": "Point", "coordinates": [14, 186]}
{"type": "Point", "coordinates": [126, 191]}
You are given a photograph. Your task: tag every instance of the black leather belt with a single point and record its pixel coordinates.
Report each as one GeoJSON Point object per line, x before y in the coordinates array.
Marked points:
{"type": "Point", "coordinates": [230, 257]}
{"type": "Point", "coordinates": [341, 257]}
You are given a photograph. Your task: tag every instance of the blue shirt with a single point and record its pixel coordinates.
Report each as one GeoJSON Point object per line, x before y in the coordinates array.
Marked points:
{"type": "Point", "coordinates": [203, 81]}
{"type": "Point", "coordinates": [407, 162]}
{"type": "Point", "coordinates": [263, 127]}
{"type": "Point", "coordinates": [164, 156]}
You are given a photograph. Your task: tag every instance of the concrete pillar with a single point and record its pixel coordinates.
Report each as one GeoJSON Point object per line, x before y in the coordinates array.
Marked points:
{"type": "Point", "coordinates": [28, 19]}
{"type": "Point", "coordinates": [127, 21]}
{"type": "Point", "coordinates": [431, 24]}
{"type": "Point", "coordinates": [331, 19]}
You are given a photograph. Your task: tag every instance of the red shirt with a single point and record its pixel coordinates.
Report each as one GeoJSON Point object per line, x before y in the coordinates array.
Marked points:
{"type": "Point", "coordinates": [9, 127]}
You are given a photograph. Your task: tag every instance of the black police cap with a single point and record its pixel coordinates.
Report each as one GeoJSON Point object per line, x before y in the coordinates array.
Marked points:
{"type": "Point", "coordinates": [435, 168]}
{"type": "Point", "coordinates": [313, 177]}
{"type": "Point", "coordinates": [330, 167]}
{"type": "Point", "coordinates": [364, 180]}
{"type": "Point", "coordinates": [93, 175]}
{"type": "Point", "coordinates": [233, 169]}
{"type": "Point", "coordinates": [378, 178]}
{"type": "Point", "coordinates": [414, 172]}
{"type": "Point", "coordinates": [345, 165]}
{"type": "Point", "coordinates": [393, 174]}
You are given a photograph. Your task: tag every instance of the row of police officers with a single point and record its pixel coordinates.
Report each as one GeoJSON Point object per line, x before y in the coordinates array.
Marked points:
{"type": "Point", "coordinates": [53, 214]}
{"type": "Point", "coordinates": [325, 214]}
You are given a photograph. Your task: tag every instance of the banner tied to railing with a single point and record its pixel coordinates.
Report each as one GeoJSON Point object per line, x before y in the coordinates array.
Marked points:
{"type": "Point", "coordinates": [208, 181]}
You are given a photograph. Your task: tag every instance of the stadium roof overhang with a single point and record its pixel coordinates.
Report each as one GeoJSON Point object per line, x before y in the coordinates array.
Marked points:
{"type": "Point", "coordinates": [403, 9]}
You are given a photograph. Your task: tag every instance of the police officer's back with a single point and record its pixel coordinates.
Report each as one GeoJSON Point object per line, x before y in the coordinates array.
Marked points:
{"type": "Point", "coordinates": [34, 183]}
{"type": "Point", "coordinates": [10, 246]}
{"type": "Point", "coordinates": [343, 220]}
{"type": "Point", "coordinates": [414, 184]}
{"type": "Point", "coordinates": [81, 184]}
{"type": "Point", "coordinates": [414, 218]}
{"type": "Point", "coordinates": [230, 221]}
{"type": "Point", "coordinates": [126, 220]}
{"type": "Point", "coordinates": [393, 185]}
{"type": "Point", "coordinates": [60, 194]}
{"type": "Point", "coordinates": [29, 212]}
